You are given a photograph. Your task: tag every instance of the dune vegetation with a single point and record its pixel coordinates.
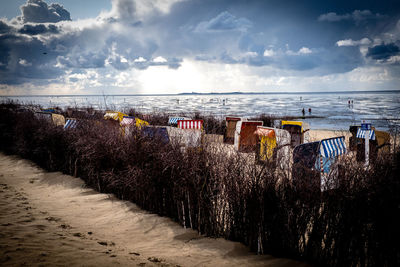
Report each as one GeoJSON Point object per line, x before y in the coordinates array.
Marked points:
{"type": "Point", "coordinates": [218, 195]}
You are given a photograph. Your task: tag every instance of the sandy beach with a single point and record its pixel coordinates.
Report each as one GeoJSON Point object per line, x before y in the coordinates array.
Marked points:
{"type": "Point", "coordinates": [51, 219]}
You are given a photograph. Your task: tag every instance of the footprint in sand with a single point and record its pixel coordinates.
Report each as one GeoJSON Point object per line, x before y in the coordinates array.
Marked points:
{"type": "Point", "coordinates": [40, 227]}
{"type": "Point", "coordinates": [27, 220]}
{"type": "Point", "coordinates": [134, 253]}
{"type": "Point", "coordinates": [79, 235]}
{"type": "Point", "coordinates": [104, 243]}
{"type": "Point", "coordinates": [154, 259]}
{"type": "Point", "coordinates": [65, 226]}
{"type": "Point", "coordinates": [52, 219]}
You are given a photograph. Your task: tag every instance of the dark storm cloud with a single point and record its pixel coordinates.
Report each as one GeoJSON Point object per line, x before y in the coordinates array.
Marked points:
{"type": "Point", "coordinates": [383, 51]}
{"type": "Point", "coordinates": [39, 11]}
{"type": "Point", "coordinates": [25, 58]}
{"type": "Point", "coordinates": [33, 29]}
{"type": "Point", "coordinates": [4, 28]}
{"type": "Point", "coordinates": [356, 15]}
{"type": "Point", "coordinates": [284, 35]}
{"type": "Point", "coordinates": [84, 60]}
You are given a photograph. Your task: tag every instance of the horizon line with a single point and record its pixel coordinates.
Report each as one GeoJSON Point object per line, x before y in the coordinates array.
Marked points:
{"type": "Point", "coordinates": [216, 93]}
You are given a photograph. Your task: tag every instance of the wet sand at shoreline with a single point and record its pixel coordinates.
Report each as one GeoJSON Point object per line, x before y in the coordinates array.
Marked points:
{"type": "Point", "coordinates": [51, 219]}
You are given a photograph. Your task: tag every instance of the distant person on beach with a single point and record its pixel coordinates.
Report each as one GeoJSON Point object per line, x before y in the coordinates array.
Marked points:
{"type": "Point", "coordinates": [304, 112]}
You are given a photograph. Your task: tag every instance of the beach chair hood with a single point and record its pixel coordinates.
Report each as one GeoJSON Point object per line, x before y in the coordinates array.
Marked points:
{"type": "Point", "coordinates": [293, 123]}
{"type": "Point", "coordinates": [114, 115]}
{"type": "Point", "coordinates": [58, 119]}
{"type": "Point", "coordinates": [132, 121]}
{"type": "Point", "coordinates": [174, 120]}
{"type": "Point", "coordinates": [362, 133]}
{"type": "Point", "coordinates": [46, 116]}
{"type": "Point", "coordinates": [70, 123]}
{"type": "Point", "coordinates": [190, 124]}
{"type": "Point", "coordinates": [155, 132]}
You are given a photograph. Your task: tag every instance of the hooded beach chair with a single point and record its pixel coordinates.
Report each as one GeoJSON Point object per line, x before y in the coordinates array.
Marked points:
{"type": "Point", "coordinates": [192, 132]}
{"type": "Point", "coordinates": [128, 124]}
{"type": "Point", "coordinates": [156, 132]}
{"type": "Point", "coordinates": [360, 147]}
{"type": "Point", "coordinates": [314, 164]}
{"type": "Point", "coordinates": [114, 115]}
{"type": "Point", "coordinates": [70, 123]}
{"type": "Point", "coordinates": [298, 131]}
{"type": "Point", "coordinates": [245, 137]}
{"type": "Point", "coordinates": [49, 110]}
{"type": "Point", "coordinates": [229, 136]}
{"type": "Point", "coordinates": [58, 119]}
{"type": "Point", "coordinates": [43, 116]}
{"type": "Point", "coordinates": [273, 145]}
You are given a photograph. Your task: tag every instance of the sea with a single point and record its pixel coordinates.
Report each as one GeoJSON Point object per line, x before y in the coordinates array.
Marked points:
{"type": "Point", "coordinates": [333, 110]}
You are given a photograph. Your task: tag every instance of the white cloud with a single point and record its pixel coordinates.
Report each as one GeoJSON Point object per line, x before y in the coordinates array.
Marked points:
{"type": "Point", "coordinates": [24, 62]}
{"type": "Point", "coordinates": [40, 11]}
{"type": "Point", "coordinates": [305, 50]}
{"type": "Point", "coordinates": [269, 53]}
{"type": "Point", "coordinates": [139, 59]}
{"type": "Point", "coordinates": [350, 42]}
{"type": "Point", "coordinates": [160, 59]}
{"type": "Point", "coordinates": [302, 51]}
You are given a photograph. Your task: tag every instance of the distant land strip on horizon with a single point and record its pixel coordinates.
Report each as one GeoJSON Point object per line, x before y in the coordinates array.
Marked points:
{"type": "Point", "coordinates": [226, 93]}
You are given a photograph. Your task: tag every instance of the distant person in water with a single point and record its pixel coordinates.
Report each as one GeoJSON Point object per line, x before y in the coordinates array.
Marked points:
{"type": "Point", "coordinates": [304, 112]}
{"type": "Point", "coordinates": [309, 110]}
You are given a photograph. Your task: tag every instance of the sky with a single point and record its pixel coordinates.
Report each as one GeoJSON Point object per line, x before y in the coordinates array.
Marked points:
{"type": "Point", "coordinates": [176, 46]}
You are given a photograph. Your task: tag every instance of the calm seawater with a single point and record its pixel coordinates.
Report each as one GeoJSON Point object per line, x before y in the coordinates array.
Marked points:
{"type": "Point", "coordinates": [382, 109]}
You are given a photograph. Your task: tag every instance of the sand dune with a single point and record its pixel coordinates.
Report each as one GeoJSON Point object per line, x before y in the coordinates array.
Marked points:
{"type": "Point", "coordinates": [52, 219]}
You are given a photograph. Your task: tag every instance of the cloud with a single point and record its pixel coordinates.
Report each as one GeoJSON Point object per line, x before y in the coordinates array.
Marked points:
{"type": "Point", "coordinates": [38, 11]}
{"type": "Point", "coordinates": [35, 29]}
{"type": "Point", "coordinates": [4, 28]}
{"type": "Point", "coordinates": [302, 51]}
{"type": "Point", "coordinates": [24, 63]}
{"type": "Point", "coordinates": [268, 53]}
{"type": "Point", "coordinates": [383, 51]}
{"type": "Point", "coordinates": [357, 16]}
{"type": "Point", "coordinates": [33, 51]}
{"type": "Point", "coordinates": [160, 59]}
{"type": "Point", "coordinates": [350, 42]}
{"type": "Point", "coordinates": [141, 36]}
{"type": "Point", "coordinates": [225, 21]}
{"type": "Point", "coordinates": [138, 10]}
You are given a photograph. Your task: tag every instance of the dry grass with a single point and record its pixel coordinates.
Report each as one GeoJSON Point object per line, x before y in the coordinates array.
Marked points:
{"type": "Point", "coordinates": [354, 225]}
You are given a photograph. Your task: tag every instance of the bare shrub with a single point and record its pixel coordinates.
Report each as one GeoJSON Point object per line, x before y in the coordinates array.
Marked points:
{"type": "Point", "coordinates": [223, 193]}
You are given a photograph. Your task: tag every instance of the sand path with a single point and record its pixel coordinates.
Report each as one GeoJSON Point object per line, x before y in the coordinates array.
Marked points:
{"type": "Point", "coordinates": [51, 219]}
